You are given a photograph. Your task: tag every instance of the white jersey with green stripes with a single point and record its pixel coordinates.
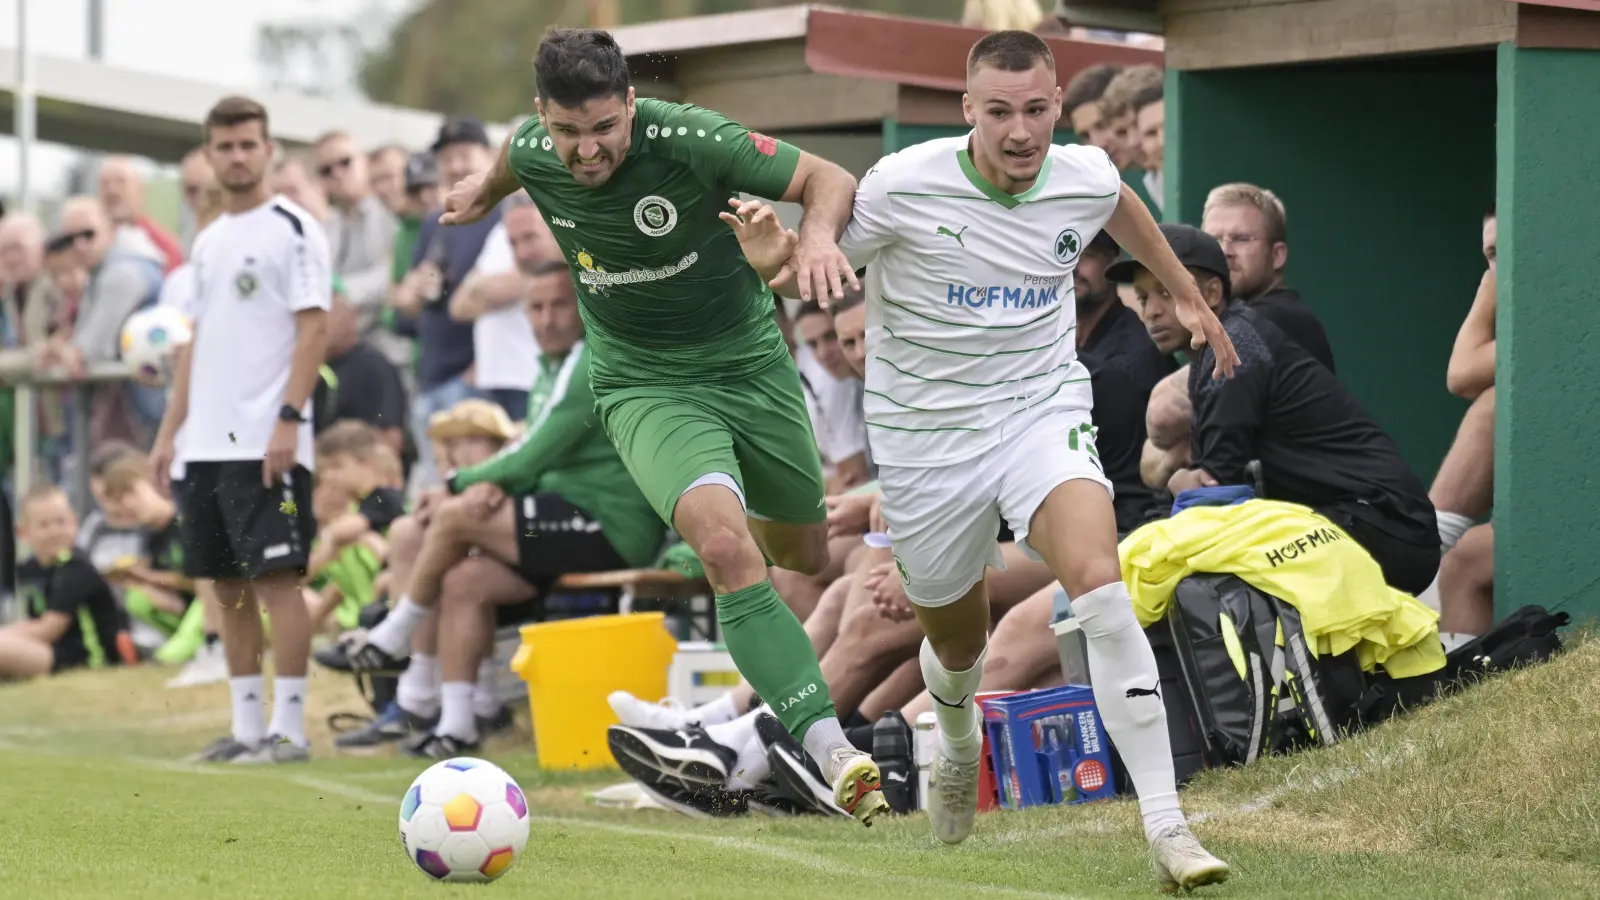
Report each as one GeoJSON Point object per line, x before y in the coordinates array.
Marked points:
{"type": "Point", "coordinates": [971, 313]}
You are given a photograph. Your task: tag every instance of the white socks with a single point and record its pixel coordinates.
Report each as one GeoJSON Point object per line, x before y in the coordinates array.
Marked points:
{"type": "Point", "coordinates": [821, 739]}
{"type": "Point", "coordinates": [1126, 689]}
{"type": "Point", "coordinates": [955, 704]}
{"type": "Point", "coordinates": [418, 688]}
{"type": "Point", "coordinates": [393, 634]}
{"type": "Point", "coordinates": [249, 709]}
{"type": "Point", "coordinates": [1451, 527]}
{"type": "Point", "coordinates": [717, 711]}
{"type": "Point", "coordinates": [455, 711]}
{"type": "Point", "coordinates": [289, 709]}
{"type": "Point", "coordinates": [486, 693]}
{"type": "Point", "coordinates": [740, 735]}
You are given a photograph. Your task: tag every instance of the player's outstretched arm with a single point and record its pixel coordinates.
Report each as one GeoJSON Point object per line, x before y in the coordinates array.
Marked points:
{"type": "Point", "coordinates": [768, 247]}
{"type": "Point", "coordinates": [827, 192]}
{"type": "Point", "coordinates": [1133, 227]}
{"type": "Point", "coordinates": [473, 198]}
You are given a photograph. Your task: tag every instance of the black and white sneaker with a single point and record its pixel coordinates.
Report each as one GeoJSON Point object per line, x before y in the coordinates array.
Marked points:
{"type": "Point", "coordinates": [432, 745]}
{"type": "Point", "coordinates": [700, 802]}
{"type": "Point", "coordinates": [797, 778]}
{"type": "Point", "coordinates": [391, 725]}
{"type": "Point", "coordinates": [686, 758]}
{"type": "Point", "coordinates": [223, 749]}
{"type": "Point", "coordinates": [767, 800]}
{"type": "Point", "coordinates": [356, 655]}
{"type": "Point", "coordinates": [502, 720]}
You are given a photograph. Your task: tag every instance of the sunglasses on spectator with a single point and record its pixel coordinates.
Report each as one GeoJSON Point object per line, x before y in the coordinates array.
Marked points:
{"type": "Point", "coordinates": [65, 241]}
{"type": "Point", "coordinates": [326, 170]}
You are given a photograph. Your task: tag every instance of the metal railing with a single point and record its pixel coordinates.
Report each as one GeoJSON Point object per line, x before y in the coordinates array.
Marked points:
{"type": "Point", "coordinates": [27, 388]}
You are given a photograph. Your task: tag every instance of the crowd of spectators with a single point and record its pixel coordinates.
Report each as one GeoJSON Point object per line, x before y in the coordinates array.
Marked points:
{"type": "Point", "coordinates": [436, 335]}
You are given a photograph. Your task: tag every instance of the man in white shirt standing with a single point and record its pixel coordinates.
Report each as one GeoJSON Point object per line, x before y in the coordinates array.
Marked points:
{"type": "Point", "coordinates": [242, 396]}
{"type": "Point", "coordinates": [978, 408]}
{"type": "Point", "coordinates": [491, 298]}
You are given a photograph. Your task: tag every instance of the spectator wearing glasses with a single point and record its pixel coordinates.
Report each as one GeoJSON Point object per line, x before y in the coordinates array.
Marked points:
{"type": "Point", "coordinates": [360, 228]}
{"type": "Point", "coordinates": [122, 194]}
{"type": "Point", "coordinates": [1251, 225]}
{"type": "Point", "coordinates": [293, 177]}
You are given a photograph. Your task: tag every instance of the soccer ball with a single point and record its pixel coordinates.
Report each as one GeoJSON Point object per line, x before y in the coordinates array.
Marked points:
{"type": "Point", "coordinates": [149, 338]}
{"type": "Point", "coordinates": [464, 820]}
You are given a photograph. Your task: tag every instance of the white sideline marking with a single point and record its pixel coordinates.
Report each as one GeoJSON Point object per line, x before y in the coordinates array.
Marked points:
{"type": "Point", "coordinates": [807, 859]}
{"type": "Point", "coordinates": [1371, 762]}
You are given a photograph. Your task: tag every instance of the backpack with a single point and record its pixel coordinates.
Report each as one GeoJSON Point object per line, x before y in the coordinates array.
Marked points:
{"type": "Point", "coordinates": [1240, 680]}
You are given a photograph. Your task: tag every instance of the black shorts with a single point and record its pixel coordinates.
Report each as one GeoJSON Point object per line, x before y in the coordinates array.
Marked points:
{"type": "Point", "coordinates": [556, 538]}
{"type": "Point", "coordinates": [234, 529]}
{"type": "Point", "coordinates": [1408, 555]}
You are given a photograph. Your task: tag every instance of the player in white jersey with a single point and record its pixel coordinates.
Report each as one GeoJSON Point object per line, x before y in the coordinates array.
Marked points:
{"type": "Point", "coordinates": [242, 396]}
{"type": "Point", "coordinates": [978, 408]}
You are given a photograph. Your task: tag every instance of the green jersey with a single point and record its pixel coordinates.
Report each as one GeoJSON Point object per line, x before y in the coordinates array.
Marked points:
{"type": "Point", "coordinates": [664, 290]}
{"type": "Point", "coordinates": [566, 452]}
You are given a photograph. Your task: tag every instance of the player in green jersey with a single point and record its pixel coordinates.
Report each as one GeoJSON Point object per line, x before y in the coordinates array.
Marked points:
{"type": "Point", "coordinates": [692, 378]}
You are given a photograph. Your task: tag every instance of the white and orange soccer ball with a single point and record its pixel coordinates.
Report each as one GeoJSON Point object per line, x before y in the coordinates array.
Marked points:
{"type": "Point", "coordinates": [464, 820]}
{"type": "Point", "coordinates": [149, 339]}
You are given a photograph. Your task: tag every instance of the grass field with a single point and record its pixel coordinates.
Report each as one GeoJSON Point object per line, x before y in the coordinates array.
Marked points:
{"type": "Point", "coordinates": [1493, 793]}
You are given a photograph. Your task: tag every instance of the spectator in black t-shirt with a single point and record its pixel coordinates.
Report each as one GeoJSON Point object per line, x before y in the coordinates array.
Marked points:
{"type": "Point", "coordinates": [151, 580]}
{"type": "Point", "coordinates": [360, 383]}
{"type": "Point", "coordinates": [1124, 366]}
{"type": "Point", "coordinates": [1250, 224]}
{"type": "Point", "coordinates": [72, 619]}
{"type": "Point", "coordinates": [1316, 445]}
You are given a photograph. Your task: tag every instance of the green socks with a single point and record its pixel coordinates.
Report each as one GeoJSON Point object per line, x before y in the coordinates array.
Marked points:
{"type": "Point", "coordinates": [774, 653]}
{"type": "Point", "coordinates": [186, 640]}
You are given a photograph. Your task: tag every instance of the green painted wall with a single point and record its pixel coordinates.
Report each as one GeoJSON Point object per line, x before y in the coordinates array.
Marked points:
{"type": "Point", "coordinates": [1548, 331]}
{"type": "Point", "coordinates": [1385, 169]}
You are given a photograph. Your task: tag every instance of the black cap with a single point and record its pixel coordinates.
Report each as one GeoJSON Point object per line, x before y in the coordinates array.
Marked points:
{"type": "Point", "coordinates": [1193, 247]}
{"type": "Point", "coordinates": [460, 130]}
{"type": "Point", "coordinates": [421, 171]}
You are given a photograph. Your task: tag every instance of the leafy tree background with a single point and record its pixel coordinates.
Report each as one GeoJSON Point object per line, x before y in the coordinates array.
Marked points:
{"type": "Point", "coordinates": [476, 56]}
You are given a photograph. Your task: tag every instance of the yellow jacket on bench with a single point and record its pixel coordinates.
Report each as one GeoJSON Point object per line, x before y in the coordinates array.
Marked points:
{"type": "Point", "coordinates": [1298, 556]}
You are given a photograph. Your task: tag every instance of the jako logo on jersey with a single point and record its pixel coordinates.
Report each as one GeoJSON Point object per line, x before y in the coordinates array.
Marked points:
{"type": "Point", "coordinates": [564, 223]}
{"type": "Point", "coordinates": [797, 696]}
{"type": "Point", "coordinates": [768, 146]}
{"type": "Point", "coordinates": [1004, 297]}
{"type": "Point", "coordinates": [1068, 245]}
{"type": "Point", "coordinates": [655, 215]}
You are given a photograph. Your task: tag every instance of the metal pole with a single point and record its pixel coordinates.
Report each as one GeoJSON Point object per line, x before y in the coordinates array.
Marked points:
{"type": "Point", "coordinates": [97, 30]}
{"type": "Point", "coordinates": [25, 113]}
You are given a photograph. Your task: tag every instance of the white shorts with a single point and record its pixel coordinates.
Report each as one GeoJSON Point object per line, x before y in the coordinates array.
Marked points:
{"type": "Point", "coordinates": [943, 521]}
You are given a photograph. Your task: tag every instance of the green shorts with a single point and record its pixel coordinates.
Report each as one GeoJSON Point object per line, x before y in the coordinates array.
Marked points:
{"type": "Point", "coordinates": [757, 432]}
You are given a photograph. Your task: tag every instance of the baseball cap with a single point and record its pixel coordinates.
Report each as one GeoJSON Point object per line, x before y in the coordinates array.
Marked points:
{"type": "Point", "coordinates": [460, 130]}
{"type": "Point", "coordinates": [1193, 247]}
{"type": "Point", "coordinates": [421, 171]}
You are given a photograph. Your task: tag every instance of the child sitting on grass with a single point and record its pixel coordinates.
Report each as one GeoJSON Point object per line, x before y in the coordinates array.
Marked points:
{"type": "Point", "coordinates": [154, 589]}
{"type": "Point", "coordinates": [72, 618]}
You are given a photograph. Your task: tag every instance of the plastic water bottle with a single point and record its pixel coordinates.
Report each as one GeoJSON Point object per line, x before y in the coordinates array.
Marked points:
{"type": "Point", "coordinates": [927, 743]}
{"type": "Point", "coordinates": [891, 750]}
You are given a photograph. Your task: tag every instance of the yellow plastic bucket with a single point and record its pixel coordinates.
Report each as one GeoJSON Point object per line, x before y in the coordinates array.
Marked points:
{"type": "Point", "coordinates": [570, 666]}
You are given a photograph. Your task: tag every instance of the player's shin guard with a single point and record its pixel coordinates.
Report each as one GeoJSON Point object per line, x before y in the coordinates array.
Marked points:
{"type": "Point", "coordinates": [1127, 691]}
{"type": "Point", "coordinates": [773, 653]}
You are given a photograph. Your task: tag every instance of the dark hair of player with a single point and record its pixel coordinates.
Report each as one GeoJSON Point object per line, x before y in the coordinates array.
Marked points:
{"type": "Point", "coordinates": [576, 65]}
{"type": "Point", "coordinates": [1089, 85]}
{"type": "Point", "coordinates": [235, 110]}
{"type": "Point", "coordinates": [1010, 51]}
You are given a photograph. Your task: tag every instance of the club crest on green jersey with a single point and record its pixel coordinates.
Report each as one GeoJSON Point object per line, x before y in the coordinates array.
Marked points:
{"type": "Point", "coordinates": [655, 215]}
